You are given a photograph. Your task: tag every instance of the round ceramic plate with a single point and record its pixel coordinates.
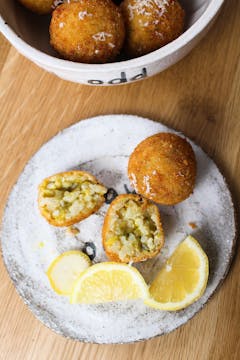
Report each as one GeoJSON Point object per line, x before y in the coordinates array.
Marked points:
{"type": "Point", "coordinates": [102, 146]}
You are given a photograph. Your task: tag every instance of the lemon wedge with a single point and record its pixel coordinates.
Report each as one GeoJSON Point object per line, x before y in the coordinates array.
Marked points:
{"type": "Point", "coordinates": [65, 269]}
{"type": "Point", "coordinates": [182, 280]}
{"type": "Point", "coordinates": [109, 281]}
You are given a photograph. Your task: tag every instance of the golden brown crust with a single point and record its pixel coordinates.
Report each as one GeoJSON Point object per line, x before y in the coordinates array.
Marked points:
{"type": "Point", "coordinates": [163, 168]}
{"type": "Point", "coordinates": [38, 6]}
{"type": "Point", "coordinates": [121, 199]}
{"type": "Point", "coordinates": [88, 31]}
{"type": "Point", "coordinates": [151, 24]}
{"type": "Point", "coordinates": [81, 216]}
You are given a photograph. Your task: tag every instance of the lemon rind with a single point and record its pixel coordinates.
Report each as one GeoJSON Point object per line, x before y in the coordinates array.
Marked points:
{"type": "Point", "coordinates": [200, 288]}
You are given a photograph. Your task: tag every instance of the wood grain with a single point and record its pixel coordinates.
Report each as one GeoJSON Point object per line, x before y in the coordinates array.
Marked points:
{"type": "Point", "coordinates": [199, 96]}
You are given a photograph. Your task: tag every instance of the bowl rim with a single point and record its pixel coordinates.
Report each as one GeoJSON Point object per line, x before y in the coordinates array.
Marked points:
{"type": "Point", "coordinates": [43, 58]}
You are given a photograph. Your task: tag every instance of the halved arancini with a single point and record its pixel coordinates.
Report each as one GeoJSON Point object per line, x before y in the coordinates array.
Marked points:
{"type": "Point", "coordinates": [69, 197]}
{"type": "Point", "coordinates": [132, 229]}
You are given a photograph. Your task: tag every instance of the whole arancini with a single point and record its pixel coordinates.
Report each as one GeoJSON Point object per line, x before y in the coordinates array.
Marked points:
{"type": "Point", "coordinates": [87, 31]}
{"type": "Point", "coordinates": [163, 168]}
{"type": "Point", "coordinates": [150, 24]}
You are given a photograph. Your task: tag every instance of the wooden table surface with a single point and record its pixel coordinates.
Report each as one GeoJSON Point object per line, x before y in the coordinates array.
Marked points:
{"type": "Point", "coordinates": [199, 96]}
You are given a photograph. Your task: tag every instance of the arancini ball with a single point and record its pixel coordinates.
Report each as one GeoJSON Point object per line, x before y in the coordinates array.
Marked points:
{"type": "Point", "coordinates": [163, 168]}
{"type": "Point", "coordinates": [38, 6]}
{"type": "Point", "coordinates": [150, 24]}
{"type": "Point", "coordinates": [87, 31]}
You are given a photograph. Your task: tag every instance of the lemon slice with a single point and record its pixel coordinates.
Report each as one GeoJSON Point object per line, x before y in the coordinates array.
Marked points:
{"type": "Point", "coordinates": [182, 280]}
{"type": "Point", "coordinates": [65, 269]}
{"type": "Point", "coordinates": [107, 282]}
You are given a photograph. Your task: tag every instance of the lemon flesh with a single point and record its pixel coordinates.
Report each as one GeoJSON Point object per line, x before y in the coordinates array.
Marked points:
{"type": "Point", "coordinates": [65, 269]}
{"type": "Point", "coordinates": [182, 280]}
{"type": "Point", "coordinates": [107, 282]}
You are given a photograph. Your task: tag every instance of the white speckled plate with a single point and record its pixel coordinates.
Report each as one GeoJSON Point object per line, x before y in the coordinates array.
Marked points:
{"type": "Point", "coordinates": [102, 146]}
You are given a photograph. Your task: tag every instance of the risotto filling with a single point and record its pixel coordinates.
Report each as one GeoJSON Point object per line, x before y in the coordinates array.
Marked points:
{"type": "Point", "coordinates": [64, 197]}
{"type": "Point", "coordinates": [134, 231]}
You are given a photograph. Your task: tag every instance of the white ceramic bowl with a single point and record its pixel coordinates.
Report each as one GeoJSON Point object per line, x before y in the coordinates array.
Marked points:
{"type": "Point", "coordinates": [28, 33]}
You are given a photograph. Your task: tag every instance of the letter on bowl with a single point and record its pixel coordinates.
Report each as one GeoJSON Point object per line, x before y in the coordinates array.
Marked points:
{"type": "Point", "coordinates": [120, 80]}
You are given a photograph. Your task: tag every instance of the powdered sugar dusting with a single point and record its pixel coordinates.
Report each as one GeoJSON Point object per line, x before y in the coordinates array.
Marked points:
{"type": "Point", "coordinates": [83, 14]}
{"type": "Point", "coordinates": [147, 7]}
{"type": "Point", "coordinates": [159, 34]}
{"type": "Point", "coordinates": [101, 36]}
{"type": "Point", "coordinates": [146, 181]}
{"type": "Point", "coordinates": [133, 181]}
{"type": "Point", "coordinates": [210, 207]}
